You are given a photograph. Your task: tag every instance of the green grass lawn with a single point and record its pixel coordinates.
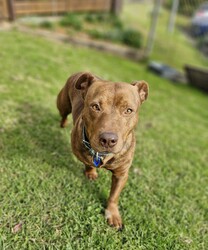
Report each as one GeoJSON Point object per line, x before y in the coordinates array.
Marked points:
{"type": "Point", "coordinates": [42, 186]}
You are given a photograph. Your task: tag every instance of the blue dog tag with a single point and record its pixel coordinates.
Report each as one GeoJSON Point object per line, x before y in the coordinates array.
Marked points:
{"type": "Point", "coordinates": [96, 161]}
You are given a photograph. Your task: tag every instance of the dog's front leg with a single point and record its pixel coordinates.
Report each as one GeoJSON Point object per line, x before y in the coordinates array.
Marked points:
{"type": "Point", "coordinates": [91, 173]}
{"type": "Point", "coordinates": [112, 213]}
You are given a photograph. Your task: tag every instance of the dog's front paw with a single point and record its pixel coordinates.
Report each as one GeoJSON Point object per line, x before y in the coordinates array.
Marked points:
{"type": "Point", "coordinates": [91, 173]}
{"type": "Point", "coordinates": [113, 218]}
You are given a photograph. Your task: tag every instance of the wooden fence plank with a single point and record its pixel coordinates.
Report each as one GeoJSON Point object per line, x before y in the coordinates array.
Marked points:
{"type": "Point", "coordinates": [39, 7]}
{"type": "Point", "coordinates": [3, 9]}
{"type": "Point", "coordinates": [27, 7]}
{"type": "Point", "coordinates": [32, 7]}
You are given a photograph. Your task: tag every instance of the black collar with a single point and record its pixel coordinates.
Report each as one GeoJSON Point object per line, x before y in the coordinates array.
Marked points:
{"type": "Point", "coordinates": [97, 157]}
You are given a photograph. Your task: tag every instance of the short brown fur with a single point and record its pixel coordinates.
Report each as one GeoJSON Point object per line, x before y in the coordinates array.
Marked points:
{"type": "Point", "coordinates": [104, 108]}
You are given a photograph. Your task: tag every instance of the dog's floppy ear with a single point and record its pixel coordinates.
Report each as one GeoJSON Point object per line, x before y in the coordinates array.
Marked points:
{"type": "Point", "coordinates": [143, 89]}
{"type": "Point", "coordinates": [84, 81]}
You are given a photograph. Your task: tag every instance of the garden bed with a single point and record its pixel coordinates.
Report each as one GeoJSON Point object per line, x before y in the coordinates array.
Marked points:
{"type": "Point", "coordinates": [104, 27]}
{"type": "Point", "coordinates": [197, 77]}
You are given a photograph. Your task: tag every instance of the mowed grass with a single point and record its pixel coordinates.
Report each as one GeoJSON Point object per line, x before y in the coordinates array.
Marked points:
{"type": "Point", "coordinates": [45, 200]}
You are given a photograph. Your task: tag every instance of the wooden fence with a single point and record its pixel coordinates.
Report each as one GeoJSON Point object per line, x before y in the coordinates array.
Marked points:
{"type": "Point", "coordinates": [3, 9]}
{"type": "Point", "coordinates": [14, 8]}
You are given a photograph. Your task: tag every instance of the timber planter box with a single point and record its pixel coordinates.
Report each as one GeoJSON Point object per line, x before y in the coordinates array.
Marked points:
{"type": "Point", "coordinates": [197, 77]}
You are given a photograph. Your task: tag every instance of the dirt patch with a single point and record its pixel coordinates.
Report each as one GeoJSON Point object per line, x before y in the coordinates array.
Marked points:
{"type": "Point", "coordinates": [5, 26]}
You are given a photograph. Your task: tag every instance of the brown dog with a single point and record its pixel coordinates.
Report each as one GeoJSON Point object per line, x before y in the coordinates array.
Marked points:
{"type": "Point", "coordinates": [104, 117]}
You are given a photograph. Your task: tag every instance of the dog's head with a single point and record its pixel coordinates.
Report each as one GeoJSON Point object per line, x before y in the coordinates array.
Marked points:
{"type": "Point", "coordinates": [110, 110]}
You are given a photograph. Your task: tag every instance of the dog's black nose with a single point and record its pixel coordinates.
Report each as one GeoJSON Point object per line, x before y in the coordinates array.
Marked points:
{"type": "Point", "coordinates": [108, 139]}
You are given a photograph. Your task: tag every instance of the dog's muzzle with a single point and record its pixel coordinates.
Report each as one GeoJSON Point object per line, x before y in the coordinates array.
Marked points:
{"type": "Point", "coordinates": [97, 157]}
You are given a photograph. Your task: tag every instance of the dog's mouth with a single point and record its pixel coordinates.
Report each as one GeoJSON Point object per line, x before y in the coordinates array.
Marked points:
{"type": "Point", "coordinates": [104, 150]}
{"type": "Point", "coordinates": [104, 144]}
{"type": "Point", "coordinates": [97, 156]}
{"type": "Point", "coordinates": [99, 145]}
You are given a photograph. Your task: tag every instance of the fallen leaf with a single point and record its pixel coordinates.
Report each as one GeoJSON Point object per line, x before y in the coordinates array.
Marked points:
{"type": "Point", "coordinates": [17, 228]}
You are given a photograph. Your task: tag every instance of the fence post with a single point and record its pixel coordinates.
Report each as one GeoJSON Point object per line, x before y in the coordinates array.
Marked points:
{"type": "Point", "coordinates": [152, 31]}
{"type": "Point", "coordinates": [116, 6]}
{"type": "Point", "coordinates": [173, 14]}
{"type": "Point", "coordinates": [11, 13]}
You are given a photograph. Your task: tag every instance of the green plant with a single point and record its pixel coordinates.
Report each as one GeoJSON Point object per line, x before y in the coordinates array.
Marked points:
{"type": "Point", "coordinates": [132, 38]}
{"type": "Point", "coordinates": [91, 18]}
{"type": "Point", "coordinates": [47, 25]}
{"type": "Point", "coordinates": [98, 17]}
{"type": "Point", "coordinates": [114, 35]}
{"type": "Point", "coordinates": [71, 20]}
{"type": "Point", "coordinates": [104, 18]}
{"type": "Point", "coordinates": [96, 34]}
{"type": "Point", "coordinates": [116, 22]}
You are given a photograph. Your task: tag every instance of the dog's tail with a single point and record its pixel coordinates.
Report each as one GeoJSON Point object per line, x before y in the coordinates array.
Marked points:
{"type": "Point", "coordinates": [64, 105]}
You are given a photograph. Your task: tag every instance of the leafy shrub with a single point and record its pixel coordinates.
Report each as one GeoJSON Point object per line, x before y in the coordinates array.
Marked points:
{"type": "Point", "coordinates": [96, 34]}
{"type": "Point", "coordinates": [91, 18]}
{"type": "Point", "coordinates": [114, 35]}
{"type": "Point", "coordinates": [47, 25]}
{"type": "Point", "coordinates": [96, 18]}
{"type": "Point", "coordinates": [132, 38]}
{"type": "Point", "coordinates": [129, 37]}
{"type": "Point", "coordinates": [104, 18]}
{"type": "Point", "coordinates": [116, 22]}
{"type": "Point", "coordinates": [71, 20]}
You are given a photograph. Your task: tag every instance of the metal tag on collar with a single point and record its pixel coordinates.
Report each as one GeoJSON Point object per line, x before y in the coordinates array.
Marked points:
{"type": "Point", "coordinates": [96, 160]}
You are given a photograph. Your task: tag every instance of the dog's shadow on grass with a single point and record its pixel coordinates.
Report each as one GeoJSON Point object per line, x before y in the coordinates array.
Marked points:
{"type": "Point", "coordinates": [37, 136]}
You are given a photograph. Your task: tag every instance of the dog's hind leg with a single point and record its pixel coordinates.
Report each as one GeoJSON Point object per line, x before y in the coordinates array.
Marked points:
{"type": "Point", "coordinates": [64, 105]}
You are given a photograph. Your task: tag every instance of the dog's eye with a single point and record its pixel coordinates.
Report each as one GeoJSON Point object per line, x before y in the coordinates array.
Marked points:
{"type": "Point", "coordinates": [128, 111]}
{"type": "Point", "coordinates": [95, 107]}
